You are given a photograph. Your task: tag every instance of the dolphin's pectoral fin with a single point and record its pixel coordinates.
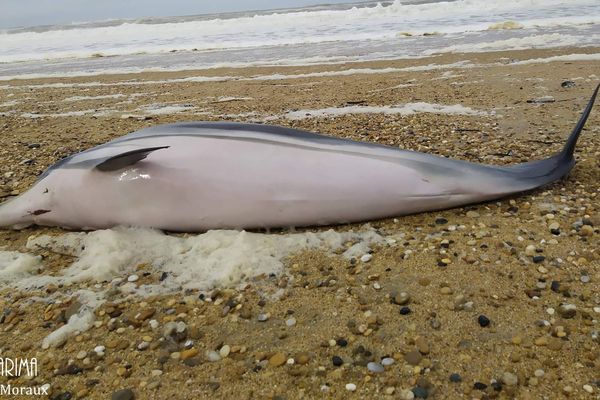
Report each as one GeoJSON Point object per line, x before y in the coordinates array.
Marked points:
{"type": "Point", "coordinates": [125, 159]}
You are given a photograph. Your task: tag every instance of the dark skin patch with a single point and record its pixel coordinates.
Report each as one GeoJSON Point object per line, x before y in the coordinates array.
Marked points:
{"type": "Point", "coordinates": [39, 212]}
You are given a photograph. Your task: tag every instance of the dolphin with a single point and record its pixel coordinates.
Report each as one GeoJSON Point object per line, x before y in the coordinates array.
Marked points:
{"type": "Point", "coordinates": [196, 176]}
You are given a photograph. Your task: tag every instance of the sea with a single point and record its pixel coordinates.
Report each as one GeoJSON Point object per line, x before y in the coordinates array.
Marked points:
{"type": "Point", "coordinates": [325, 34]}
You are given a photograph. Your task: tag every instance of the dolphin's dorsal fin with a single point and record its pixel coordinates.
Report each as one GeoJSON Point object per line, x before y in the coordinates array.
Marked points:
{"type": "Point", "coordinates": [125, 159]}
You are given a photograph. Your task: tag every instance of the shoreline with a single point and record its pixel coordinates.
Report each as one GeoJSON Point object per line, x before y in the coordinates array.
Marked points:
{"type": "Point", "coordinates": [534, 347]}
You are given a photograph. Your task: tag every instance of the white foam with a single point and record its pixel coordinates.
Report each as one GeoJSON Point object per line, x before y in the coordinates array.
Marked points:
{"type": "Point", "coordinates": [79, 322]}
{"type": "Point", "coordinates": [15, 265]}
{"type": "Point", "coordinates": [404, 109]}
{"type": "Point", "coordinates": [566, 57]}
{"type": "Point", "coordinates": [101, 97]}
{"type": "Point", "coordinates": [99, 112]}
{"type": "Point", "coordinates": [361, 23]}
{"type": "Point", "coordinates": [10, 103]}
{"type": "Point", "coordinates": [519, 43]}
{"type": "Point", "coordinates": [164, 109]}
{"type": "Point", "coordinates": [216, 258]}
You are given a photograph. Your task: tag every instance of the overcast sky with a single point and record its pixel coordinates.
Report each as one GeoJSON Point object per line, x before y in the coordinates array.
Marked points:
{"type": "Point", "coordinates": [15, 13]}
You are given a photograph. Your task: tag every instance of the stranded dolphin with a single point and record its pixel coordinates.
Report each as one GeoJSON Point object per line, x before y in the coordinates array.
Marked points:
{"type": "Point", "coordinates": [204, 175]}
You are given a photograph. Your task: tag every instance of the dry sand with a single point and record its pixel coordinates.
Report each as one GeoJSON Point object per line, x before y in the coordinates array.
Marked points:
{"type": "Point", "coordinates": [532, 348]}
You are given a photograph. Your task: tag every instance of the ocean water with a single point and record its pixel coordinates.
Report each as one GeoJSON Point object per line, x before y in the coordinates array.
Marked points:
{"type": "Point", "coordinates": [323, 34]}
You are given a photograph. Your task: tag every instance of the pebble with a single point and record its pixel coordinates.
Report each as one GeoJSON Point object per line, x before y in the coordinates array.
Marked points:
{"type": "Point", "coordinates": [584, 278]}
{"type": "Point", "coordinates": [81, 355]}
{"type": "Point", "coordinates": [402, 298]}
{"type": "Point", "coordinates": [405, 311]}
{"type": "Point", "coordinates": [351, 387]}
{"type": "Point", "coordinates": [224, 351]}
{"type": "Point", "coordinates": [586, 230]}
{"type": "Point", "coordinates": [538, 259]}
{"type": "Point", "coordinates": [455, 378]}
{"type": "Point", "coordinates": [407, 394]}
{"type": "Point", "coordinates": [132, 278]}
{"type": "Point", "coordinates": [375, 367]}
{"type": "Point", "coordinates": [213, 356]}
{"type": "Point", "coordinates": [420, 392]}
{"type": "Point", "coordinates": [302, 358]}
{"type": "Point", "coordinates": [588, 388]}
{"type": "Point", "coordinates": [188, 353]}
{"type": "Point", "coordinates": [472, 214]}
{"type": "Point", "coordinates": [387, 361]}
{"type": "Point", "coordinates": [337, 361]}
{"type": "Point", "coordinates": [366, 258]}
{"type": "Point", "coordinates": [263, 317]}
{"type": "Point", "coordinates": [290, 322]}
{"type": "Point", "coordinates": [143, 346]}
{"type": "Point", "coordinates": [483, 321]}
{"type": "Point", "coordinates": [567, 84]}
{"type": "Point", "coordinates": [277, 359]}
{"type": "Point", "coordinates": [530, 250]}
{"type": "Point", "coordinates": [123, 394]}
{"type": "Point", "coordinates": [567, 311]}
{"type": "Point", "coordinates": [413, 357]}
{"type": "Point", "coordinates": [539, 373]}
{"type": "Point", "coordinates": [510, 379]}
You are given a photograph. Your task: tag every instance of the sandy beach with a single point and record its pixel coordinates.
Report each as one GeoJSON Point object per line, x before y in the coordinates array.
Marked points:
{"type": "Point", "coordinates": [496, 300]}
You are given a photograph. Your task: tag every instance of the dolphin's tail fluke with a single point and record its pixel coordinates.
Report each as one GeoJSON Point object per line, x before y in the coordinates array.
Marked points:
{"type": "Point", "coordinates": [567, 151]}
{"type": "Point", "coordinates": [531, 175]}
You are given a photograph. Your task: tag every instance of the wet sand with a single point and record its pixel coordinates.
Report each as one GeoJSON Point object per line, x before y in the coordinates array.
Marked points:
{"type": "Point", "coordinates": [457, 267]}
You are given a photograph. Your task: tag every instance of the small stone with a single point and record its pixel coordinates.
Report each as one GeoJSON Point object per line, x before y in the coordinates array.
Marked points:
{"type": "Point", "coordinates": [567, 84]}
{"type": "Point", "coordinates": [366, 258]}
{"type": "Point", "coordinates": [588, 388]}
{"type": "Point", "coordinates": [422, 345]}
{"type": "Point", "coordinates": [81, 355]}
{"type": "Point", "coordinates": [375, 367]}
{"type": "Point", "coordinates": [405, 311]}
{"type": "Point", "coordinates": [387, 361]}
{"type": "Point", "coordinates": [479, 386]}
{"type": "Point", "coordinates": [420, 392]}
{"type": "Point", "coordinates": [567, 311]}
{"type": "Point", "coordinates": [224, 351]}
{"type": "Point", "coordinates": [510, 379]}
{"type": "Point", "coordinates": [472, 214]}
{"type": "Point", "coordinates": [213, 356]}
{"type": "Point", "coordinates": [402, 298]}
{"type": "Point", "coordinates": [586, 230]}
{"type": "Point", "coordinates": [483, 321]}
{"type": "Point", "coordinates": [337, 361]}
{"type": "Point", "coordinates": [407, 394]}
{"type": "Point", "coordinates": [441, 221]}
{"type": "Point", "coordinates": [143, 346]}
{"type": "Point", "coordinates": [455, 378]}
{"type": "Point", "coordinates": [413, 357]}
{"type": "Point", "coordinates": [584, 278]}
{"type": "Point", "coordinates": [132, 278]}
{"type": "Point", "coordinates": [539, 373]}
{"type": "Point", "coordinates": [351, 387]}
{"type": "Point", "coordinates": [188, 353]}
{"type": "Point", "coordinates": [290, 322]}
{"type": "Point", "coordinates": [302, 358]}
{"type": "Point", "coordinates": [538, 259]}
{"type": "Point", "coordinates": [277, 359]}
{"type": "Point", "coordinates": [263, 317]}
{"type": "Point", "coordinates": [530, 250]}
{"type": "Point", "coordinates": [123, 394]}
